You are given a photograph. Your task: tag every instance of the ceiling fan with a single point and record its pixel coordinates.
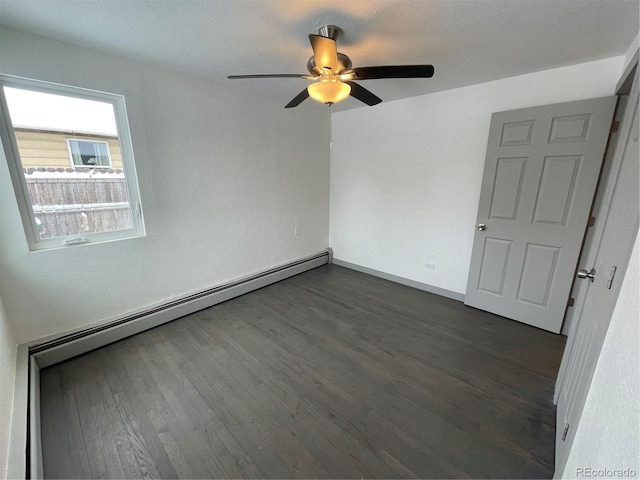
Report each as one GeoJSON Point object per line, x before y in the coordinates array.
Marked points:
{"type": "Point", "coordinates": [333, 75]}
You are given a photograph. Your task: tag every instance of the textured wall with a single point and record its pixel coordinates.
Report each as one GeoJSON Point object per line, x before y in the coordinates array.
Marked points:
{"type": "Point", "coordinates": [406, 175]}
{"type": "Point", "coordinates": [7, 378]}
{"type": "Point", "coordinates": [608, 437]}
{"type": "Point", "coordinates": [224, 179]}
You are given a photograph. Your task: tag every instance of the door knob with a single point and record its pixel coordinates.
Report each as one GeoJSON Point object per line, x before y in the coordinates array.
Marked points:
{"type": "Point", "coordinates": [591, 274]}
{"type": "Point", "coordinates": [481, 227]}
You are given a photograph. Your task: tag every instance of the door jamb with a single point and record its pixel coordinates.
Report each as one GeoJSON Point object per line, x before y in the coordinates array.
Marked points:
{"type": "Point", "coordinates": [623, 88]}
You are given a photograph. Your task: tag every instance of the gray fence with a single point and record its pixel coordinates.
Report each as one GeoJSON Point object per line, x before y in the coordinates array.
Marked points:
{"type": "Point", "coordinates": [76, 206]}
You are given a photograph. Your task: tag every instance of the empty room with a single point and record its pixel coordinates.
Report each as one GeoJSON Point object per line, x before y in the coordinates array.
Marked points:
{"type": "Point", "coordinates": [319, 239]}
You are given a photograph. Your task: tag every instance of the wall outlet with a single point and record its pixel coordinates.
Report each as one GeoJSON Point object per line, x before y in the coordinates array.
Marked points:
{"type": "Point", "coordinates": [430, 266]}
{"type": "Point", "coordinates": [296, 230]}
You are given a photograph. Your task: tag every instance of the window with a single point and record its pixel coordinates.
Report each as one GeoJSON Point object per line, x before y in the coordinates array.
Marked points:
{"type": "Point", "coordinates": [88, 153]}
{"type": "Point", "coordinates": [71, 162]}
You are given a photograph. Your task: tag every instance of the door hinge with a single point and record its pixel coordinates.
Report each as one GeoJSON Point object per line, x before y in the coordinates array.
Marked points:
{"type": "Point", "coordinates": [611, 277]}
{"type": "Point", "coordinates": [592, 221]}
{"type": "Point", "coordinates": [566, 430]}
{"type": "Point", "coordinates": [615, 126]}
{"type": "Point", "coordinates": [571, 302]}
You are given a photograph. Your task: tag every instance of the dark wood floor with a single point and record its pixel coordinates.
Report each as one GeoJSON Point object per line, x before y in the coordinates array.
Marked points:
{"type": "Point", "coordinates": [330, 374]}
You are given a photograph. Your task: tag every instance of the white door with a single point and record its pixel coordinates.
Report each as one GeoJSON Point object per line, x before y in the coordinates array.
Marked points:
{"type": "Point", "coordinates": [540, 174]}
{"type": "Point", "coordinates": [621, 217]}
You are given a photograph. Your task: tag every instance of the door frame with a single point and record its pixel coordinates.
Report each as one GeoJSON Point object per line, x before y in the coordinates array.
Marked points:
{"type": "Point", "coordinates": [602, 201]}
{"type": "Point", "coordinates": [593, 246]}
{"type": "Point", "coordinates": [610, 168]}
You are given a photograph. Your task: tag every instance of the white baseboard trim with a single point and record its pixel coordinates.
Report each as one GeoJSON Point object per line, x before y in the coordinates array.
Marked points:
{"type": "Point", "coordinates": [443, 292]}
{"type": "Point", "coordinates": [17, 458]}
{"type": "Point", "coordinates": [68, 346]}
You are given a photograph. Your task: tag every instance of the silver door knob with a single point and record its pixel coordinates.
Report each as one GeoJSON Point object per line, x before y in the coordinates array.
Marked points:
{"type": "Point", "coordinates": [591, 274]}
{"type": "Point", "coordinates": [481, 227]}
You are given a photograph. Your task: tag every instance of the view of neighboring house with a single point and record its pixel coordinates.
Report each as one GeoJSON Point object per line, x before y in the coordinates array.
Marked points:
{"type": "Point", "coordinates": [40, 148]}
{"type": "Point", "coordinates": [76, 181]}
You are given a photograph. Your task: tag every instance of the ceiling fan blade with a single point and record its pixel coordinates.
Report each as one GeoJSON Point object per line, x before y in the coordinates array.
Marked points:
{"type": "Point", "coordinates": [363, 94]}
{"type": "Point", "coordinates": [325, 52]}
{"type": "Point", "coordinates": [393, 71]}
{"type": "Point", "coordinates": [301, 97]}
{"type": "Point", "coordinates": [268, 75]}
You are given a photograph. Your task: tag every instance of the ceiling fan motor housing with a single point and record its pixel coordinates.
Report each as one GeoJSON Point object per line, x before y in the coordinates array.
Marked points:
{"type": "Point", "coordinates": [343, 60]}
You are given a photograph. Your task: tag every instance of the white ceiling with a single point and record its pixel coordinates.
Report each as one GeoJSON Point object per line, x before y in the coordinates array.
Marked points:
{"type": "Point", "coordinates": [468, 41]}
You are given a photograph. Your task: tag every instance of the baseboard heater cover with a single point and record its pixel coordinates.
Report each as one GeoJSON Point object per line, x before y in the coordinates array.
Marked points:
{"type": "Point", "coordinates": [77, 343]}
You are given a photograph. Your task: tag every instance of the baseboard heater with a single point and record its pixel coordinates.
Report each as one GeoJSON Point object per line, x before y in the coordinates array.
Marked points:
{"type": "Point", "coordinates": [77, 343]}
{"type": "Point", "coordinates": [25, 455]}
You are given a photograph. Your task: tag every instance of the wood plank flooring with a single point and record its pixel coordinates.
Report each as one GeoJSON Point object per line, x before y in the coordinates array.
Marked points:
{"type": "Point", "coordinates": [329, 374]}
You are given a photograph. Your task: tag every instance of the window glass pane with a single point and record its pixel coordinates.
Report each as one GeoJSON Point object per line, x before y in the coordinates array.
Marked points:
{"type": "Point", "coordinates": [89, 153]}
{"type": "Point", "coordinates": [71, 160]}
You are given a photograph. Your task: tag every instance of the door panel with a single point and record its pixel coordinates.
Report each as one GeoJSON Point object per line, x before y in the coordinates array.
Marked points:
{"type": "Point", "coordinates": [495, 260]}
{"type": "Point", "coordinates": [517, 133]}
{"type": "Point", "coordinates": [540, 174]}
{"type": "Point", "coordinates": [555, 192]}
{"type": "Point", "coordinates": [573, 128]}
{"type": "Point", "coordinates": [538, 272]}
{"type": "Point", "coordinates": [507, 186]}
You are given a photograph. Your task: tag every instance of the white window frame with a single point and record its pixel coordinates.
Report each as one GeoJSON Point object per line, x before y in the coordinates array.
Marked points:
{"type": "Point", "coordinates": [73, 165]}
{"type": "Point", "coordinates": [19, 182]}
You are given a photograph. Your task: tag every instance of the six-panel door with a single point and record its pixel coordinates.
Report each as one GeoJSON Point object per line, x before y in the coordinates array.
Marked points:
{"type": "Point", "coordinates": [540, 175]}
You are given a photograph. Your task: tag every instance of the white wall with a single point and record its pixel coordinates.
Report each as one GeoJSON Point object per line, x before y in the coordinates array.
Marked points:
{"type": "Point", "coordinates": [405, 175]}
{"type": "Point", "coordinates": [608, 436]}
{"type": "Point", "coordinates": [224, 178]}
{"type": "Point", "coordinates": [7, 378]}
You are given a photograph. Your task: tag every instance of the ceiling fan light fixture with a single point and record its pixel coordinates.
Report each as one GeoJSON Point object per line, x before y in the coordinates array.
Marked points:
{"type": "Point", "coordinates": [329, 91]}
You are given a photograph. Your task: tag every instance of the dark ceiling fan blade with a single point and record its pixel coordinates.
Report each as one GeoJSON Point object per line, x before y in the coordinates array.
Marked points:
{"type": "Point", "coordinates": [268, 75]}
{"type": "Point", "coordinates": [301, 97]}
{"type": "Point", "coordinates": [363, 94]}
{"type": "Point", "coordinates": [393, 71]}
{"type": "Point", "coordinates": [325, 52]}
